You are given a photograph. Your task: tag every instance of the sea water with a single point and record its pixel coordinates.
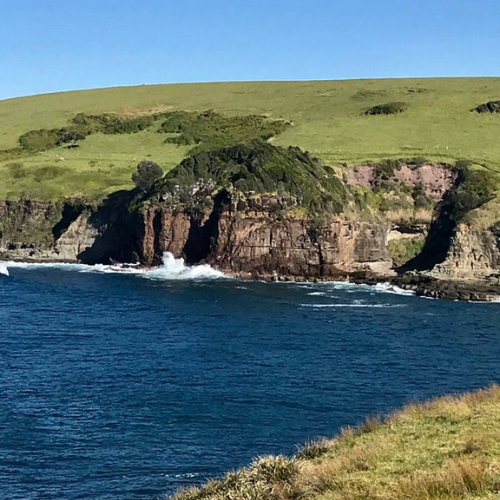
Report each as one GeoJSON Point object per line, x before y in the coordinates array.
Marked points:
{"type": "Point", "coordinates": [128, 384]}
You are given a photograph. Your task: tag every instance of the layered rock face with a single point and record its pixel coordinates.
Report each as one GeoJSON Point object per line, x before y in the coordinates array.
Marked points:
{"type": "Point", "coordinates": [257, 243]}
{"type": "Point", "coordinates": [473, 253]}
{"type": "Point", "coordinates": [41, 231]}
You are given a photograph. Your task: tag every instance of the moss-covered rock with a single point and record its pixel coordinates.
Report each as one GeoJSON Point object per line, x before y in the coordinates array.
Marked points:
{"type": "Point", "coordinates": [257, 168]}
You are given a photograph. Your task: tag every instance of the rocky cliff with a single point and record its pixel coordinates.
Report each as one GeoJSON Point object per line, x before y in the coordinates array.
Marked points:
{"type": "Point", "coordinates": [473, 253]}
{"type": "Point", "coordinates": [258, 243]}
{"type": "Point", "coordinates": [270, 213]}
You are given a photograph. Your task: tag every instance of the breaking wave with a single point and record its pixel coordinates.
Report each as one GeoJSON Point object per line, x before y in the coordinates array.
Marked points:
{"type": "Point", "coordinates": [172, 269]}
{"type": "Point", "coordinates": [176, 269]}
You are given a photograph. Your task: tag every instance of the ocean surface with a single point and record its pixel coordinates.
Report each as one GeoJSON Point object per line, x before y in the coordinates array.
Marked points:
{"type": "Point", "coordinates": [131, 385]}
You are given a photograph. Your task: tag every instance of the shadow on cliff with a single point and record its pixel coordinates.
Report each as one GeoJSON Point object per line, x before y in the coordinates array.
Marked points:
{"type": "Point", "coordinates": [203, 237]}
{"type": "Point", "coordinates": [439, 240]}
{"type": "Point", "coordinates": [115, 223]}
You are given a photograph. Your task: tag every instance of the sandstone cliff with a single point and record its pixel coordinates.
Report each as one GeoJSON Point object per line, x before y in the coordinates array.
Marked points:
{"type": "Point", "coordinates": [473, 253]}
{"type": "Point", "coordinates": [257, 242]}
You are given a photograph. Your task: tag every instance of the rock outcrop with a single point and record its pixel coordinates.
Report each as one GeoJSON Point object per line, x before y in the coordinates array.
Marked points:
{"type": "Point", "coordinates": [258, 243]}
{"type": "Point", "coordinates": [43, 231]}
{"type": "Point", "coordinates": [473, 253]}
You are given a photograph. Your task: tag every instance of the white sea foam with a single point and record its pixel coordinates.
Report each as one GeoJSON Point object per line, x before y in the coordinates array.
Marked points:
{"type": "Point", "coordinates": [388, 288]}
{"type": "Point", "coordinates": [4, 270]}
{"type": "Point", "coordinates": [374, 306]}
{"type": "Point", "coordinates": [172, 269]}
{"type": "Point", "coordinates": [176, 269]}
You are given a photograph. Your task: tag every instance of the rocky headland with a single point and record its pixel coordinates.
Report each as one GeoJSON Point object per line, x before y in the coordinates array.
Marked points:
{"type": "Point", "coordinates": [263, 212]}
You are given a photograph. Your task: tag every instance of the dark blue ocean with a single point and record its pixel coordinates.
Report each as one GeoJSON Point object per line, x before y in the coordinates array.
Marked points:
{"type": "Point", "coordinates": [129, 386]}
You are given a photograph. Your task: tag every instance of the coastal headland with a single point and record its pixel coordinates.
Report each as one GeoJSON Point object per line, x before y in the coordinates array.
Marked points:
{"type": "Point", "coordinates": [367, 181]}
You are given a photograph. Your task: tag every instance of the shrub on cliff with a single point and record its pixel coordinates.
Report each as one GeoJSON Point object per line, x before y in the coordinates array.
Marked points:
{"type": "Point", "coordinates": [260, 167]}
{"type": "Point", "coordinates": [473, 188]}
{"type": "Point", "coordinates": [147, 173]}
{"type": "Point", "coordinates": [390, 108]}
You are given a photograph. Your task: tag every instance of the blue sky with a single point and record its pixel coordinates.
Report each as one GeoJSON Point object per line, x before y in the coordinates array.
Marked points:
{"type": "Point", "coordinates": [53, 45]}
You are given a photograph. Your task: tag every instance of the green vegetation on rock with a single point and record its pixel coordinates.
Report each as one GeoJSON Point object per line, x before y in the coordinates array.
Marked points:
{"type": "Point", "coordinates": [406, 249]}
{"type": "Point", "coordinates": [473, 189]}
{"type": "Point", "coordinates": [258, 168]}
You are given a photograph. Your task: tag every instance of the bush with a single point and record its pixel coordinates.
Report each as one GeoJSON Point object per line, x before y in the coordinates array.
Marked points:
{"type": "Point", "coordinates": [47, 173]}
{"type": "Point", "coordinates": [406, 249]}
{"type": "Point", "coordinates": [417, 162]}
{"type": "Point", "coordinates": [384, 170]}
{"type": "Point", "coordinates": [488, 107]}
{"type": "Point", "coordinates": [210, 130]}
{"type": "Point", "coordinates": [390, 108]}
{"type": "Point", "coordinates": [472, 189]}
{"type": "Point", "coordinates": [113, 124]}
{"type": "Point", "coordinates": [147, 173]}
{"type": "Point", "coordinates": [420, 197]}
{"type": "Point", "coordinates": [39, 140]}
{"type": "Point", "coordinates": [16, 170]}
{"type": "Point", "coordinates": [43, 140]}
{"type": "Point", "coordinates": [70, 136]}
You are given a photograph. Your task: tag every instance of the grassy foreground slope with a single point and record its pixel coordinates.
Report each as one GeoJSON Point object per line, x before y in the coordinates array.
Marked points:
{"type": "Point", "coordinates": [446, 449]}
{"type": "Point", "coordinates": [328, 118]}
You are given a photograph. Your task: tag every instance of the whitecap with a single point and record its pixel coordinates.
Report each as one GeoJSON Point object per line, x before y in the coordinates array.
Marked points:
{"type": "Point", "coordinates": [388, 288]}
{"type": "Point", "coordinates": [376, 306]}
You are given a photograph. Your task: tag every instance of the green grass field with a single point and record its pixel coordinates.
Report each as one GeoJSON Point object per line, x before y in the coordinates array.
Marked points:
{"type": "Point", "coordinates": [327, 116]}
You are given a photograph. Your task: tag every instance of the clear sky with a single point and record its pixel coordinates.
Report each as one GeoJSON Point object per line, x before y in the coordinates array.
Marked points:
{"type": "Point", "coordinates": [53, 45]}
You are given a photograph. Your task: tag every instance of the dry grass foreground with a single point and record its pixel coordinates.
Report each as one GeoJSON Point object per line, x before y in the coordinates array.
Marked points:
{"type": "Point", "coordinates": [448, 448]}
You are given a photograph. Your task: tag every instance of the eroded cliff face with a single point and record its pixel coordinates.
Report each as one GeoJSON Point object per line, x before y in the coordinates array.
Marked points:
{"type": "Point", "coordinates": [473, 254]}
{"type": "Point", "coordinates": [258, 242]}
{"type": "Point", "coordinates": [43, 232]}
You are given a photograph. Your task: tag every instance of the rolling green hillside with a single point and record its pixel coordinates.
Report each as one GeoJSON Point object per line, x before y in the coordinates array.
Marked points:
{"type": "Point", "coordinates": [328, 119]}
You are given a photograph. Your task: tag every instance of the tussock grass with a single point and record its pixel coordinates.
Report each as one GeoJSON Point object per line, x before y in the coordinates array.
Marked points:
{"type": "Point", "coordinates": [444, 449]}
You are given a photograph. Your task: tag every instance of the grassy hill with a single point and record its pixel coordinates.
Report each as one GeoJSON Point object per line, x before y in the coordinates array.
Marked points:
{"type": "Point", "coordinates": [447, 449]}
{"type": "Point", "coordinates": [328, 119]}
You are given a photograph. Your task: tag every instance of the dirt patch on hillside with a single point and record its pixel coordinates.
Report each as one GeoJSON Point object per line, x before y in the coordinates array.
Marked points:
{"type": "Point", "coordinates": [435, 179]}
